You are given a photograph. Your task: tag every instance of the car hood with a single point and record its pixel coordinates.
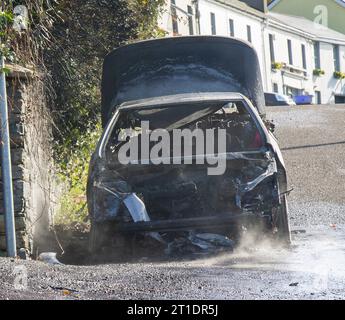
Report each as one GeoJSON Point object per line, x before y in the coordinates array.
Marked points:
{"type": "Point", "coordinates": [179, 65]}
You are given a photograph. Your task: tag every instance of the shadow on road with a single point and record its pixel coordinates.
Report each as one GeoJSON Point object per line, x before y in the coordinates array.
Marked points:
{"type": "Point", "coordinates": [313, 146]}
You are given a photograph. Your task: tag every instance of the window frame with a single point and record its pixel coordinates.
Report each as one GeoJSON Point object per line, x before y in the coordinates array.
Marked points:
{"type": "Point", "coordinates": [289, 44]}
{"type": "Point", "coordinates": [271, 44]}
{"type": "Point", "coordinates": [213, 23]}
{"type": "Point", "coordinates": [190, 20]}
{"type": "Point", "coordinates": [174, 18]}
{"type": "Point", "coordinates": [336, 57]}
{"type": "Point", "coordinates": [317, 56]}
{"type": "Point", "coordinates": [231, 27]}
{"type": "Point", "coordinates": [249, 33]}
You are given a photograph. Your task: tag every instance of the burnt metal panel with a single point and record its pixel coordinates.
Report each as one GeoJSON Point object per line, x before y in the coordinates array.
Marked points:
{"type": "Point", "coordinates": [168, 66]}
{"type": "Point", "coordinates": [219, 221]}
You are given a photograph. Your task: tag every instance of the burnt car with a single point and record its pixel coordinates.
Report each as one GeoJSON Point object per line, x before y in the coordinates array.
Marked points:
{"type": "Point", "coordinates": [207, 88]}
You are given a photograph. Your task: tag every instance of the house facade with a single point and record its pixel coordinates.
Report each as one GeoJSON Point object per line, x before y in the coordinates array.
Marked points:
{"type": "Point", "coordinates": [295, 57]}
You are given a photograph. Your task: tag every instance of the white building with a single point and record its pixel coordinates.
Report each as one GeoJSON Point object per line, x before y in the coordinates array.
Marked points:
{"type": "Point", "coordinates": [295, 47]}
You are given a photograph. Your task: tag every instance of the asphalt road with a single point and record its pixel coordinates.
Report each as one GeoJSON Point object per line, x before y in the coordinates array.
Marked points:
{"type": "Point", "coordinates": [313, 143]}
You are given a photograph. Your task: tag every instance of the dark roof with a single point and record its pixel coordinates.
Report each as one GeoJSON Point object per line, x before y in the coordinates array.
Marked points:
{"type": "Point", "coordinates": [241, 6]}
{"type": "Point", "coordinates": [305, 25]}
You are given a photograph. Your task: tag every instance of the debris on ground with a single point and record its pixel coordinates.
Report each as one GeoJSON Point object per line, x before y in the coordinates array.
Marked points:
{"type": "Point", "coordinates": [22, 254]}
{"type": "Point", "coordinates": [136, 208]}
{"type": "Point", "coordinates": [199, 243]}
{"type": "Point", "coordinates": [49, 257]}
{"type": "Point", "coordinates": [298, 231]}
{"type": "Point", "coordinates": [293, 284]}
{"type": "Point", "coordinates": [65, 291]}
{"type": "Point", "coordinates": [215, 239]}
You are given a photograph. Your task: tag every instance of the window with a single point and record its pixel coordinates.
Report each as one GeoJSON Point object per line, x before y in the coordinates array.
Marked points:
{"type": "Point", "coordinates": [231, 28]}
{"type": "Point", "coordinates": [174, 18]}
{"type": "Point", "coordinates": [336, 58]}
{"type": "Point", "coordinates": [304, 59]}
{"type": "Point", "coordinates": [317, 97]}
{"type": "Point", "coordinates": [213, 23]}
{"type": "Point", "coordinates": [275, 87]}
{"type": "Point", "coordinates": [339, 99]}
{"type": "Point", "coordinates": [290, 52]}
{"type": "Point", "coordinates": [317, 61]}
{"type": "Point", "coordinates": [249, 33]}
{"type": "Point", "coordinates": [271, 40]}
{"type": "Point", "coordinates": [190, 20]}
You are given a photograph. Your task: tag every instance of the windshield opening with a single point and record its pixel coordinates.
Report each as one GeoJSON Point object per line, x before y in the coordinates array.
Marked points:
{"type": "Point", "coordinates": [231, 119]}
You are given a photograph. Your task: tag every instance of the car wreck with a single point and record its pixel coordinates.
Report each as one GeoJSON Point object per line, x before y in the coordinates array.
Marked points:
{"type": "Point", "coordinates": [223, 174]}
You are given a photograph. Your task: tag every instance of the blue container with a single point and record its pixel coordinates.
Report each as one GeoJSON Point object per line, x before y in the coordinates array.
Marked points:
{"type": "Point", "coordinates": [304, 99]}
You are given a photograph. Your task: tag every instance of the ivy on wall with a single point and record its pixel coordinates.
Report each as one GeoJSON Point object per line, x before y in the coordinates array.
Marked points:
{"type": "Point", "coordinates": [67, 42]}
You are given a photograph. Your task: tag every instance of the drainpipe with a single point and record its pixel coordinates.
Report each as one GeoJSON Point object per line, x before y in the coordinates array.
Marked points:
{"type": "Point", "coordinates": [283, 82]}
{"type": "Point", "coordinates": [6, 166]}
{"type": "Point", "coordinates": [197, 16]}
{"type": "Point", "coordinates": [267, 74]}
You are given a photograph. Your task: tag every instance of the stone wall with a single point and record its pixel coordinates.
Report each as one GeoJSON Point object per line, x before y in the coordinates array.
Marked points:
{"type": "Point", "coordinates": [31, 159]}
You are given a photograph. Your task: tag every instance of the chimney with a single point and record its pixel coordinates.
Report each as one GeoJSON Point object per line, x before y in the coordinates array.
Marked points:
{"type": "Point", "coordinates": [260, 5]}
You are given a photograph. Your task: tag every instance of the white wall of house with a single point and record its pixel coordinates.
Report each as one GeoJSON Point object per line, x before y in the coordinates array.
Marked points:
{"type": "Point", "coordinates": [327, 84]}
{"type": "Point", "coordinates": [292, 78]}
{"type": "Point", "coordinates": [294, 75]}
{"type": "Point", "coordinates": [240, 19]}
{"type": "Point", "coordinates": [166, 20]}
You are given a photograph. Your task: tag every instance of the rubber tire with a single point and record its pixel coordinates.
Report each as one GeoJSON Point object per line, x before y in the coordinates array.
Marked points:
{"type": "Point", "coordinates": [97, 237]}
{"type": "Point", "coordinates": [283, 224]}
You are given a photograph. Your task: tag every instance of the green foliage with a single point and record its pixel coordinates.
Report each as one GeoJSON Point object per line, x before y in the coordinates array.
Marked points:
{"type": "Point", "coordinates": [148, 10]}
{"type": "Point", "coordinates": [277, 65]}
{"type": "Point", "coordinates": [87, 31]}
{"type": "Point", "coordinates": [5, 70]}
{"type": "Point", "coordinates": [68, 41]}
{"type": "Point", "coordinates": [74, 158]}
{"type": "Point", "coordinates": [6, 20]}
{"type": "Point", "coordinates": [339, 75]}
{"type": "Point", "coordinates": [318, 72]}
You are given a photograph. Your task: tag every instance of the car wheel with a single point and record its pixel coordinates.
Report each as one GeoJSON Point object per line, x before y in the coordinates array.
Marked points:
{"type": "Point", "coordinates": [282, 223]}
{"type": "Point", "coordinates": [97, 237]}
{"type": "Point", "coordinates": [105, 245]}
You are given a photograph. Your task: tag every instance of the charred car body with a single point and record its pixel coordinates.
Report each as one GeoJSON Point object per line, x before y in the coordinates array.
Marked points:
{"type": "Point", "coordinates": [185, 83]}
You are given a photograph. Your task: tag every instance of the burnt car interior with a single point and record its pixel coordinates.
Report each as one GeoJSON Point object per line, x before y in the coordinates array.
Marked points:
{"type": "Point", "coordinates": [184, 197]}
{"type": "Point", "coordinates": [242, 133]}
